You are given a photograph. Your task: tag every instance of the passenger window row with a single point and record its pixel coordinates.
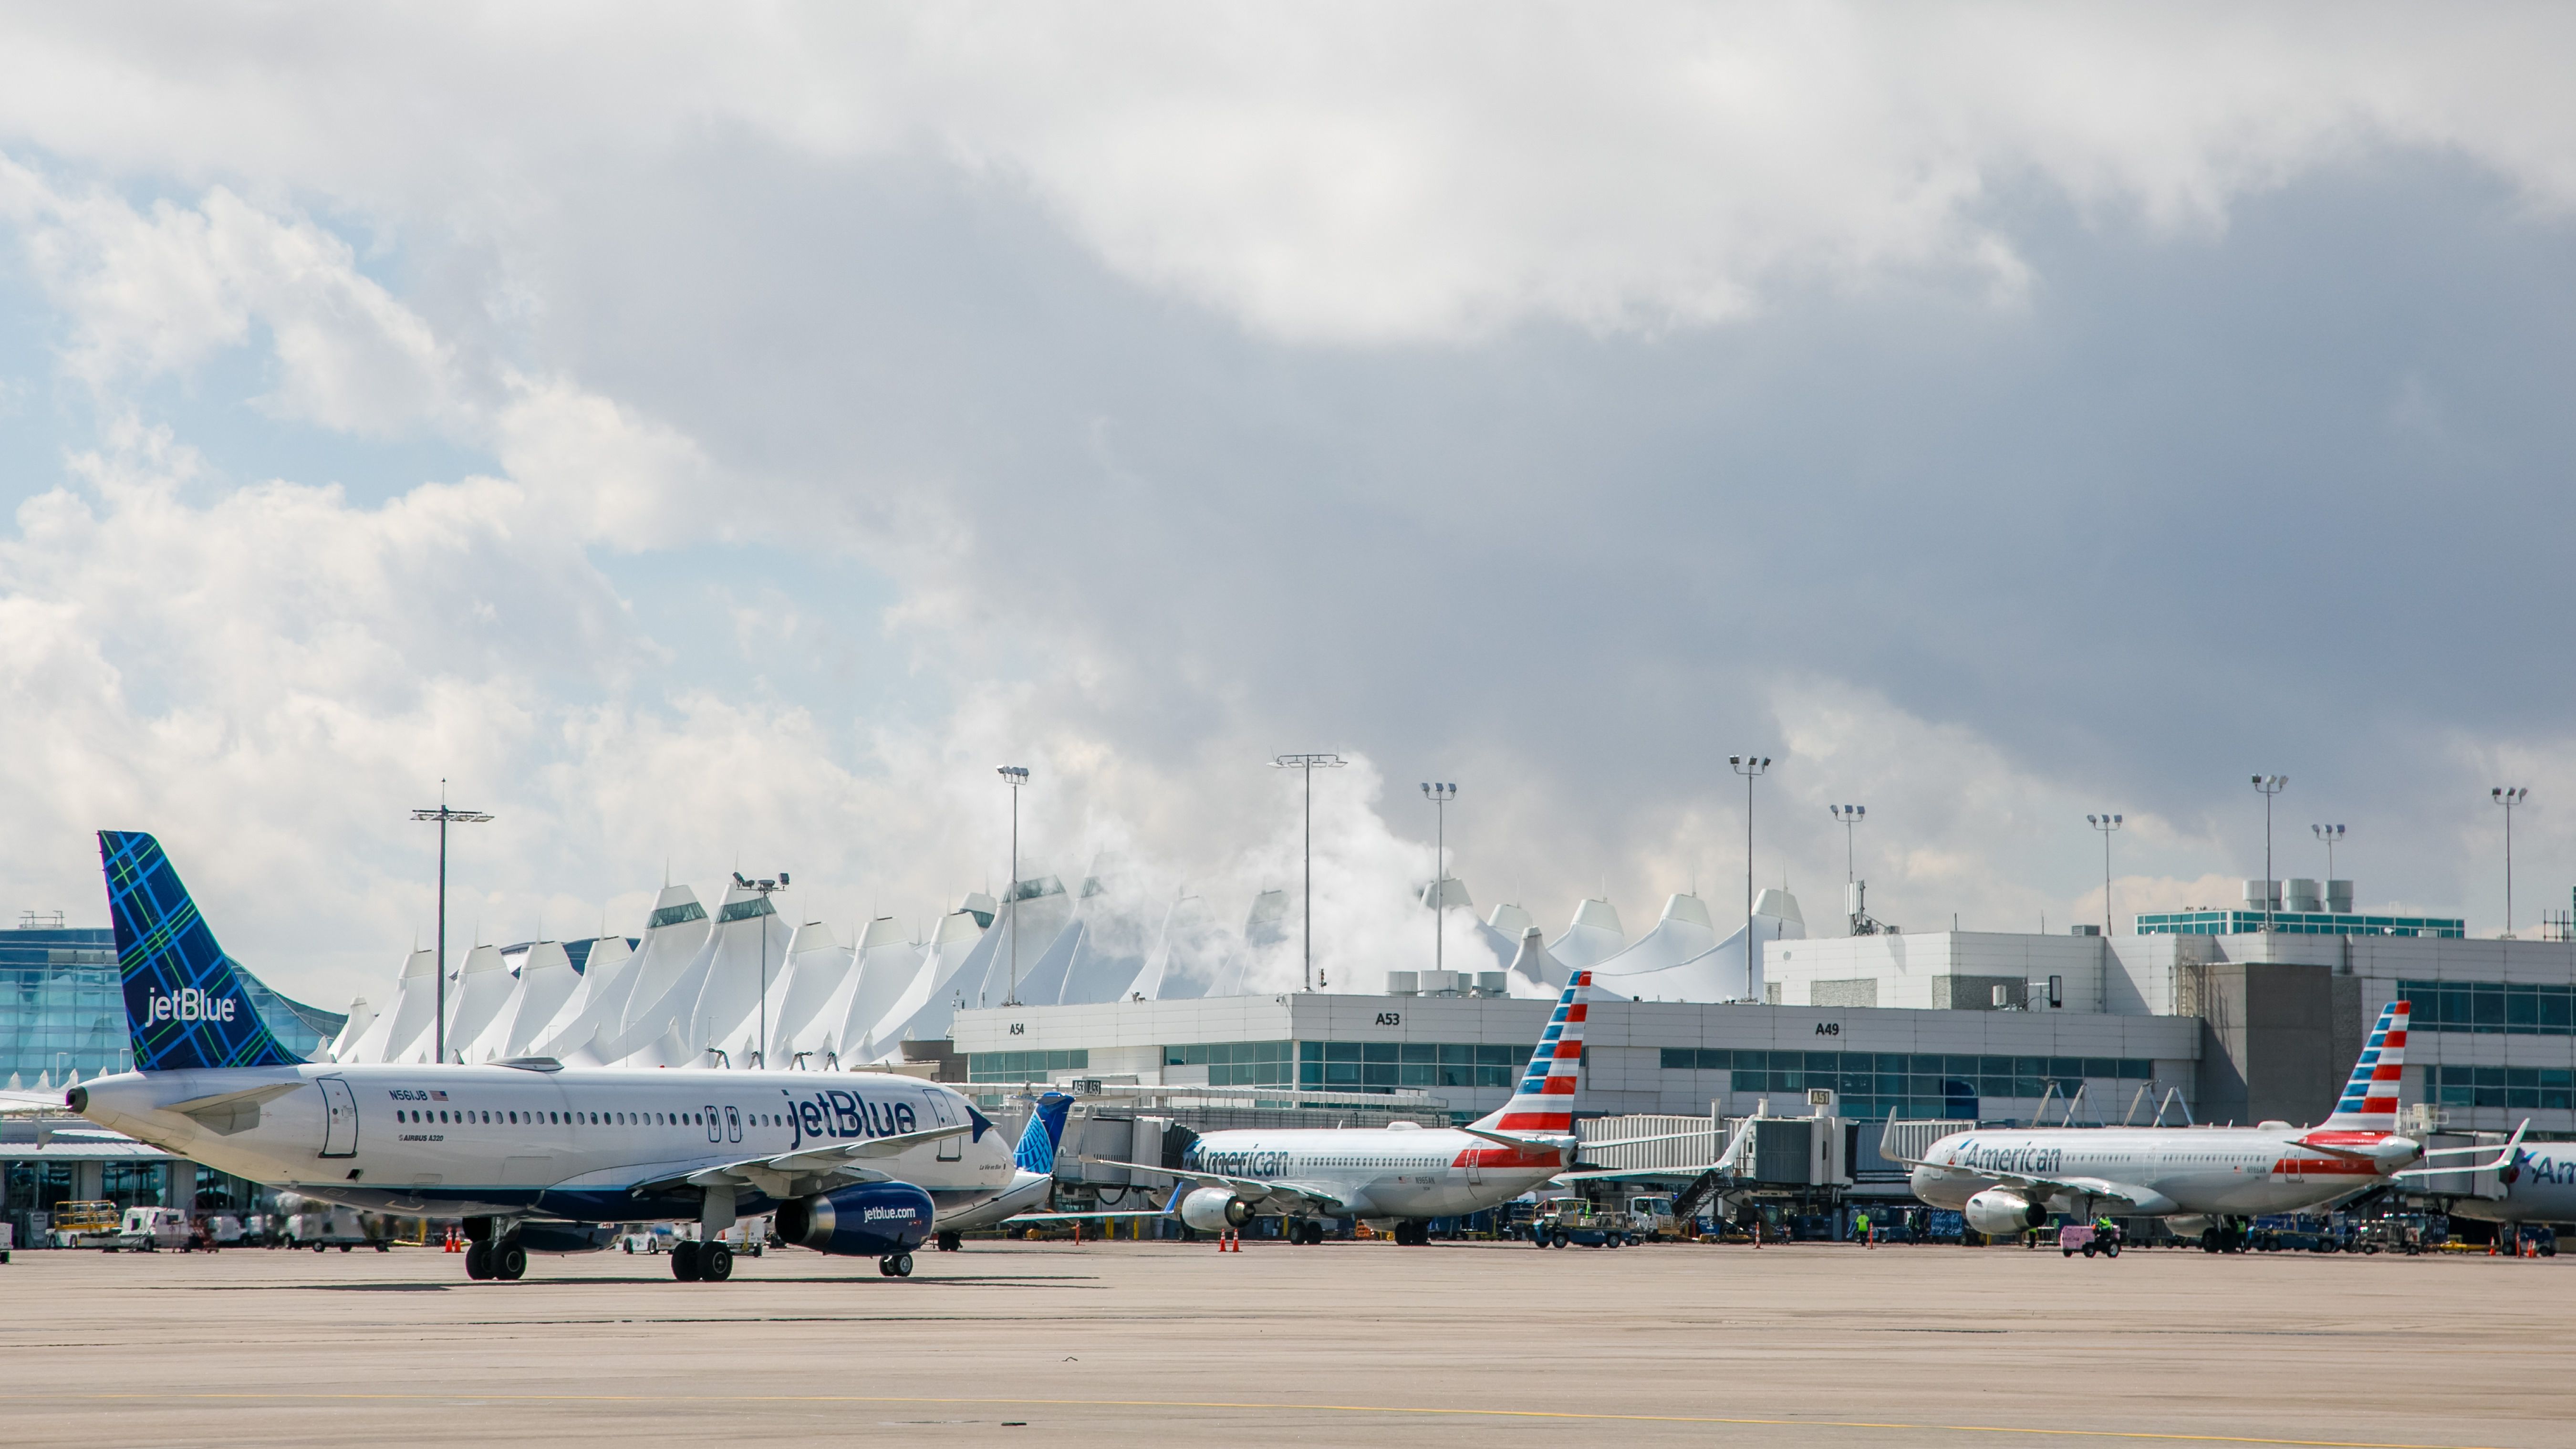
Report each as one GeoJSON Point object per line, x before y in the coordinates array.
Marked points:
{"type": "Point", "coordinates": [448, 1117]}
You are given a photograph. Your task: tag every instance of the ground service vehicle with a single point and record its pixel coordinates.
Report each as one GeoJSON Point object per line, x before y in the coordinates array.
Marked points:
{"type": "Point", "coordinates": [86, 1225]}
{"type": "Point", "coordinates": [151, 1229]}
{"type": "Point", "coordinates": [1563, 1220]}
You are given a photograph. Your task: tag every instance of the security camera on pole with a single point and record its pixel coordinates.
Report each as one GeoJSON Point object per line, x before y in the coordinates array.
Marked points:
{"type": "Point", "coordinates": [2269, 786]}
{"type": "Point", "coordinates": [766, 888]}
{"type": "Point", "coordinates": [1308, 765]}
{"type": "Point", "coordinates": [2106, 824]}
{"type": "Point", "coordinates": [1014, 776]}
{"type": "Point", "coordinates": [2508, 796]}
{"type": "Point", "coordinates": [1439, 796]}
{"type": "Point", "coordinates": [445, 816]}
{"type": "Point", "coordinates": [1751, 768]}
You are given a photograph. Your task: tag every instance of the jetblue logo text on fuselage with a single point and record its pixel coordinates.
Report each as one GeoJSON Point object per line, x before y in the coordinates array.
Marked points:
{"type": "Point", "coordinates": [191, 1004]}
{"type": "Point", "coordinates": [838, 1114]}
{"type": "Point", "coordinates": [2026, 1161]}
{"type": "Point", "coordinates": [879, 1214]}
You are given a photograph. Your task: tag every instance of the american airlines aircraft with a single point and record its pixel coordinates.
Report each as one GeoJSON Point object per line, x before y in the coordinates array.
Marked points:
{"type": "Point", "coordinates": [1406, 1172]}
{"type": "Point", "coordinates": [534, 1156]}
{"type": "Point", "coordinates": [2203, 1180]}
{"type": "Point", "coordinates": [2539, 1187]}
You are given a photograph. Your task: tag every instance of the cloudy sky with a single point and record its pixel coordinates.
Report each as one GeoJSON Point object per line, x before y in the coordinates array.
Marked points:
{"type": "Point", "coordinates": [716, 436]}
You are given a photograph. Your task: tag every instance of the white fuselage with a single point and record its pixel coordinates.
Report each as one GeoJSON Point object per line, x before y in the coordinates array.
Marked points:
{"type": "Point", "coordinates": [2233, 1171]}
{"type": "Point", "coordinates": [570, 1144]}
{"type": "Point", "coordinates": [2541, 1189]}
{"type": "Point", "coordinates": [1378, 1172]}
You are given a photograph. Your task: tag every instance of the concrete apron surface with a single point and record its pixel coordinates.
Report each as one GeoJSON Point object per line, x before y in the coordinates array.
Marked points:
{"type": "Point", "coordinates": [1347, 1343]}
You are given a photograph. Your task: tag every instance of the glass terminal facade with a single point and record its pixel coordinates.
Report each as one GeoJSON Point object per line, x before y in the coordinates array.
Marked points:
{"type": "Point", "coordinates": [2298, 923]}
{"type": "Point", "coordinates": [62, 1008]}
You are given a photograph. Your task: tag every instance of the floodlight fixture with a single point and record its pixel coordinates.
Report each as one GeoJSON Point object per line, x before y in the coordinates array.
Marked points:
{"type": "Point", "coordinates": [1307, 765]}
{"type": "Point", "coordinates": [445, 815]}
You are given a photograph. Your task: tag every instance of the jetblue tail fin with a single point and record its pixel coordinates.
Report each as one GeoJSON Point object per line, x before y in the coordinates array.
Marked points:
{"type": "Point", "coordinates": [184, 1000]}
{"type": "Point", "coordinates": [1036, 1152]}
{"type": "Point", "coordinates": [2369, 1101]}
{"type": "Point", "coordinates": [1544, 1101]}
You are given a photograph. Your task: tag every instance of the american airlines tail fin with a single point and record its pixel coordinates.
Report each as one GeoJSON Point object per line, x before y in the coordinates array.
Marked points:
{"type": "Point", "coordinates": [2370, 1098]}
{"type": "Point", "coordinates": [1544, 1101]}
{"type": "Point", "coordinates": [184, 1002]}
{"type": "Point", "coordinates": [1036, 1152]}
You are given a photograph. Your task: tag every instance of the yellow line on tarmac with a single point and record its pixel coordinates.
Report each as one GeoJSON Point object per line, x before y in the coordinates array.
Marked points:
{"type": "Point", "coordinates": [1567, 1414]}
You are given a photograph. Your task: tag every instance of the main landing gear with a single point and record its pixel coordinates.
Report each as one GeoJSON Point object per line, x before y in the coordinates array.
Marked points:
{"type": "Point", "coordinates": [1410, 1234]}
{"type": "Point", "coordinates": [950, 1242]}
{"type": "Point", "coordinates": [500, 1258]}
{"type": "Point", "coordinates": [701, 1262]}
{"type": "Point", "coordinates": [2227, 1237]}
{"type": "Point", "coordinates": [895, 1265]}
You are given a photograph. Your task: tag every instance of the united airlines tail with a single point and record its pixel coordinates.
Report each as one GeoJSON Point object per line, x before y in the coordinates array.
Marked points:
{"type": "Point", "coordinates": [1545, 1099]}
{"type": "Point", "coordinates": [184, 1003]}
{"type": "Point", "coordinates": [1036, 1152]}
{"type": "Point", "coordinates": [2370, 1098]}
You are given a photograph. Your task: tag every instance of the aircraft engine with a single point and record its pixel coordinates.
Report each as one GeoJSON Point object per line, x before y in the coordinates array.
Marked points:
{"type": "Point", "coordinates": [871, 1220]}
{"type": "Point", "coordinates": [1213, 1210]}
{"type": "Point", "coordinates": [2002, 1213]}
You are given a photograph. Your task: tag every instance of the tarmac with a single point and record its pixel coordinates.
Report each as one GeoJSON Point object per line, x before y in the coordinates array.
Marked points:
{"type": "Point", "coordinates": [1349, 1343]}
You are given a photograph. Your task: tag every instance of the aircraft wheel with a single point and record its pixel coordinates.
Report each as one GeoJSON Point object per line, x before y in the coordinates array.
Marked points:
{"type": "Point", "coordinates": [509, 1262]}
{"type": "Point", "coordinates": [950, 1242]}
{"type": "Point", "coordinates": [478, 1261]}
{"type": "Point", "coordinates": [715, 1263]}
{"type": "Point", "coordinates": [895, 1265]}
{"type": "Point", "coordinates": [684, 1262]}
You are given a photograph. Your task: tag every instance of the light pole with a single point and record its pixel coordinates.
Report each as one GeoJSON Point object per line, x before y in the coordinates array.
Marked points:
{"type": "Point", "coordinates": [1751, 768]}
{"type": "Point", "coordinates": [1439, 796]}
{"type": "Point", "coordinates": [2332, 835]}
{"type": "Point", "coordinates": [2508, 796]}
{"type": "Point", "coordinates": [2106, 824]}
{"type": "Point", "coordinates": [767, 888]}
{"type": "Point", "coordinates": [445, 816]}
{"type": "Point", "coordinates": [1014, 776]}
{"type": "Point", "coordinates": [1850, 816]}
{"type": "Point", "coordinates": [1309, 764]}
{"type": "Point", "coordinates": [2269, 785]}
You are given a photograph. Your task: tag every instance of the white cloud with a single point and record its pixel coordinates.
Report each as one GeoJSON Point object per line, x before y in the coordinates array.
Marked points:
{"type": "Point", "coordinates": [1354, 173]}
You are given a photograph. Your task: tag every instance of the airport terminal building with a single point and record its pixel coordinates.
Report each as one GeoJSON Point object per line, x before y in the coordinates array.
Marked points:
{"type": "Point", "coordinates": [1980, 1026]}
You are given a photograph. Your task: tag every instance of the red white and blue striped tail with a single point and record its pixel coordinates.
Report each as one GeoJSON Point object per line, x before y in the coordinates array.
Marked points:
{"type": "Point", "coordinates": [1544, 1102]}
{"type": "Point", "coordinates": [2370, 1099]}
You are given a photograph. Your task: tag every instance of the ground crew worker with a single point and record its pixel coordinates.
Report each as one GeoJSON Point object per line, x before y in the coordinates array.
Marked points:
{"type": "Point", "coordinates": [1860, 1224]}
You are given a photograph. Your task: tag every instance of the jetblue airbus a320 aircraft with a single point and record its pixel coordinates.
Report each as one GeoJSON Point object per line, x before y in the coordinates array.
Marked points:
{"type": "Point", "coordinates": [534, 1156]}
{"type": "Point", "coordinates": [2203, 1180]}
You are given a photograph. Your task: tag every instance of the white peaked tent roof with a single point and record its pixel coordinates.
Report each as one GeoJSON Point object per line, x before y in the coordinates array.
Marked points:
{"type": "Point", "coordinates": [1187, 954]}
{"type": "Point", "coordinates": [977, 976]}
{"type": "Point", "coordinates": [1684, 932]}
{"type": "Point", "coordinates": [605, 974]}
{"type": "Point", "coordinates": [395, 1030]}
{"type": "Point", "coordinates": [1035, 921]}
{"type": "Point", "coordinates": [955, 945]}
{"type": "Point", "coordinates": [481, 988]}
{"type": "Point", "coordinates": [1042, 981]}
{"type": "Point", "coordinates": [749, 947]}
{"type": "Point", "coordinates": [674, 934]}
{"type": "Point", "coordinates": [888, 967]}
{"type": "Point", "coordinates": [1535, 973]}
{"type": "Point", "coordinates": [352, 1031]}
{"type": "Point", "coordinates": [1717, 974]}
{"type": "Point", "coordinates": [546, 982]}
{"type": "Point", "coordinates": [1264, 926]}
{"type": "Point", "coordinates": [673, 1009]}
{"type": "Point", "coordinates": [1511, 920]}
{"type": "Point", "coordinates": [818, 967]}
{"type": "Point", "coordinates": [1594, 936]}
{"type": "Point", "coordinates": [1105, 962]}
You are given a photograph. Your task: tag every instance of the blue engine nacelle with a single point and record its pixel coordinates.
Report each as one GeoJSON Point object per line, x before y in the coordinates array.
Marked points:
{"type": "Point", "coordinates": [872, 1220]}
